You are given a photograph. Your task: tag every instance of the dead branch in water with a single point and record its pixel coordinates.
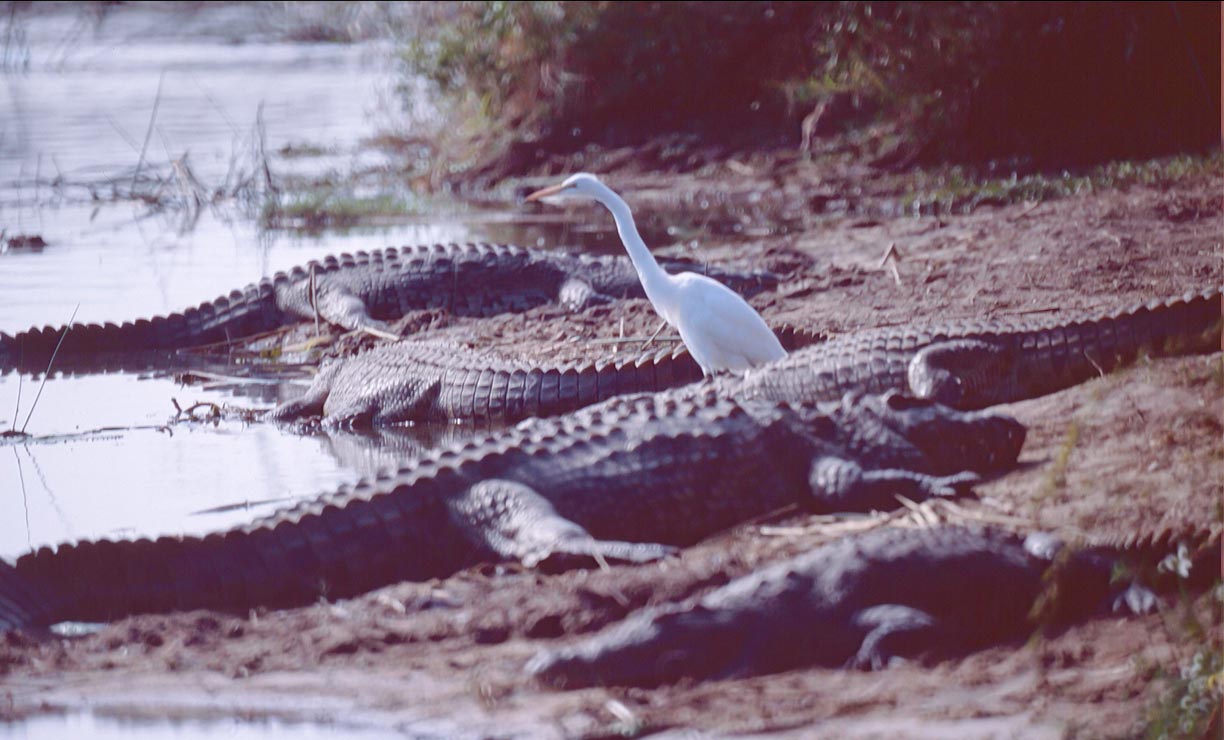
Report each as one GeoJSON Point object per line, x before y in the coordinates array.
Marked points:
{"type": "Point", "coordinates": [67, 328]}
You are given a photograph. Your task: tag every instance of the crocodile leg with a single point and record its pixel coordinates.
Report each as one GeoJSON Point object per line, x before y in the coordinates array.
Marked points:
{"type": "Point", "coordinates": [842, 485]}
{"type": "Point", "coordinates": [311, 403]}
{"type": "Point", "coordinates": [894, 632]}
{"type": "Point", "coordinates": [339, 306]}
{"type": "Point", "coordinates": [577, 294]}
{"type": "Point", "coordinates": [415, 402]}
{"type": "Point", "coordinates": [516, 523]}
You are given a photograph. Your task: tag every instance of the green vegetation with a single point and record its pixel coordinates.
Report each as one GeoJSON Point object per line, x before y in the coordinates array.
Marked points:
{"type": "Point", "coordinates": [1056, 479]}
{"type": "Point", "coordinates": [955, 189]}
{"type": "Point", "coordinates": [325, 207]}
{"type": "Point", "coordinates": [1193, 699]}
{"type": "Point", "coordinates": [1036, 85]}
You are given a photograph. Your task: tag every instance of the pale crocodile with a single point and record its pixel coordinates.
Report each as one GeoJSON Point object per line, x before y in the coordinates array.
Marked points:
{"type": "Point", "coordinates": [968, 364]}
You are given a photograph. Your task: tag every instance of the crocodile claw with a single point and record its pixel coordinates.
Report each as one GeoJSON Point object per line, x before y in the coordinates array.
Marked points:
{"type": "Point", "coordinates": [581, 554]}
{"type": "Point", "coordinates": [953, 486]}
{"type": "Point", "coordinates": [1135, 600]}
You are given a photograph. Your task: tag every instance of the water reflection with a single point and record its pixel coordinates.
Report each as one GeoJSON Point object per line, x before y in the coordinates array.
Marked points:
{"type": "Point", "coordinates": [369, 452]}
{"type": "Point", "coordinates": [104, 459]}
{"type": "Point", "coordinates": [84, 725]}
{"type": "Point", "coordinates": [75, 128]}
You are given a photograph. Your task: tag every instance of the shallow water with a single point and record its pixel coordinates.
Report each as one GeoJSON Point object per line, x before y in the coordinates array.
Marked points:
{"type": "Point", "coordinates": [81, 110]}
{"type": "Point", "coordinates": [103, 728]}
{"type": "Point", "coordinates": [139, 474]}
{"type": "Point", "coordinates": [94, 94]}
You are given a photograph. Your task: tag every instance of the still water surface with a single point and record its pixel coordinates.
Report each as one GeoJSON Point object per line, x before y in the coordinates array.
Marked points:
{"type": "Point", "coordinates": [105, 728]}
{"type": "Point", "coordinates": [81, 112]}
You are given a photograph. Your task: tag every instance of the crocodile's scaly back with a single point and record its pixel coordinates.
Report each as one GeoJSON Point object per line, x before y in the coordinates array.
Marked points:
{"type": "Point", "coordinates": [442, 381]}
{"type": "Point", "coordinates": [623, 480]}
{"type": "Point", "coordinates": [241, 313]}
{"type": "Point", "coordinates": [364, 290]}
{"type": "Point", "coordinates": [432, 380]}
{"type": "Point", "coordinates": [864, 601]}
{"type": "Point", "coordinates": [323, 550]}
{"type": "Point", "coordinates": [979, 363]}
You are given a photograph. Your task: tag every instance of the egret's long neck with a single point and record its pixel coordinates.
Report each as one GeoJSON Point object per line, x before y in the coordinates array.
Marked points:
{"type": "Point", "coordinates": [654, 278]}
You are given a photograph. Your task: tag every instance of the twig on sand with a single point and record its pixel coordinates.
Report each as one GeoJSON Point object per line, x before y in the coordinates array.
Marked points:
{"type": "Point", "coordinates": [67, 328]}
{"type": "Point", "coordinates": [381, 334]}
{"type": "Point", "coordinates": [631, 340]}
{"type": "Point", "coordinates": [1029, 208]}
{"type": "Point", "coordinates": [923, 515]}
{"type": "Point", "coordinates": [891, 257]}
{"type": "Point", "coordinates": [656, 333]}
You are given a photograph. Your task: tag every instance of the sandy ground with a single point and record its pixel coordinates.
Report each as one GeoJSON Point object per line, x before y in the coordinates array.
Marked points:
{"type": "Point", "coordinates": [1129, 452]}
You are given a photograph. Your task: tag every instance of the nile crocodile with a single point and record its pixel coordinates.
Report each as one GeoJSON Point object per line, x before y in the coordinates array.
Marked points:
{"type": "Point", "coordinates": [365, 289]}
{"type": "Point", "coordinates": [979, 363]}
{"type": "Point", "coordinates": [866, 600]}
{"type": "Point", "coordinates": [970, 364]}
{"type": "Point", "coordinates": [429, 380]}
{"type": "Point", "coordinates": [625, 480]}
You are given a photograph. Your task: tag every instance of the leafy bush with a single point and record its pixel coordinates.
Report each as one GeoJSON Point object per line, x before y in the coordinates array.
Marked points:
{"type": "Point", "coordinates": [1053, 83]}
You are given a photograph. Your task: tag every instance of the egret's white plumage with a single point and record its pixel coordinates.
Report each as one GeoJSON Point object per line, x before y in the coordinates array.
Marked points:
{"type": "Point", "coordinates": [720, 329]}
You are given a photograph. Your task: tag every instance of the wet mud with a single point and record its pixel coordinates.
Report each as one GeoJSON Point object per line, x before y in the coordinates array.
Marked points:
{"type": "Point", "coordinates": [1132, 451]}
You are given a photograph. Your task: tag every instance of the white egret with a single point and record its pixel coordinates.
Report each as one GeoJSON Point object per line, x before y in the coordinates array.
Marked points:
{"type": "Point", "coordinates": [720, 329]}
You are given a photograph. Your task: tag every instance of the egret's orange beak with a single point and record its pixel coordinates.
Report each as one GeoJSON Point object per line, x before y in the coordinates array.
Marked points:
{"type": "Point", "coordinates": [551, 190]}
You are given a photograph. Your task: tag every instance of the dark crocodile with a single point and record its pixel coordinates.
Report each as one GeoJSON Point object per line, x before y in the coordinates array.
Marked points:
{"type": "Point", "coordinates": [863, 601]}
{"type": "Point", "coordinates": [980, 363]}
{"type": "Point", "coordinates": [625, 480]}
{"type": "Point", "coordinates": [970, 364]}
{"type": "Point", "coordinates": [364, 290]}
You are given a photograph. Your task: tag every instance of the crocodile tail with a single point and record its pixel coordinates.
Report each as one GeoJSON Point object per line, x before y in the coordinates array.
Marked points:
{"type": "Point", "coordinates": [1060, 357]}
{"type": "Point", "coordinates": [321, 549]}
{"type": "Point", "coordinates": [1187, 325]}
{"type": "Point", "coordinates": [241, 313]}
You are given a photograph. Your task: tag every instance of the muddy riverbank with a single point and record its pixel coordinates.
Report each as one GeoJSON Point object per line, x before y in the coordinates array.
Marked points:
{"type": "Point", "coordinates": [446, 657]}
